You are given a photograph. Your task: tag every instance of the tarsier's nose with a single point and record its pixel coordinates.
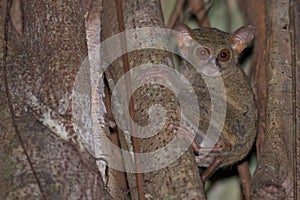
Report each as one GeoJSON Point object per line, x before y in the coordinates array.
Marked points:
{"type": "Point", "coordinates": [210, 68]}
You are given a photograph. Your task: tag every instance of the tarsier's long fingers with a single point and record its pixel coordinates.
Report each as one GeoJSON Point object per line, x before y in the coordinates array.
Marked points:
{"type": "Point", "coordinates": [211, 157]}
{"type": "Point", "coordinates": [188, 133]}
{"type": "Point", "coordinates": [207, 156]}
{"type": "Point", "coordinates": [219, 148]}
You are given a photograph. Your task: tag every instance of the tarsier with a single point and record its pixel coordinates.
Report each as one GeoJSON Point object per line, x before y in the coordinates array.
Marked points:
{"type": "Point", "coordinates": [218, 52]}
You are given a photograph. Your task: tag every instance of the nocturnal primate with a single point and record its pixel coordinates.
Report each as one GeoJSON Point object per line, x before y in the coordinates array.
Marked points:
{"type": "Point", "coordinates": [218, 54]}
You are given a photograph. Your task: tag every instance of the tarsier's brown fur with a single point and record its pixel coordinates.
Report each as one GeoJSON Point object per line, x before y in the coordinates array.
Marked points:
{"type": "Point", "coordinates": [239, 131]}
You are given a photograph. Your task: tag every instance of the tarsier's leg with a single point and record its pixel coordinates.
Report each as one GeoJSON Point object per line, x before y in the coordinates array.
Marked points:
{"type": "Point", "coordinates": [213, 159]}
{"type": "Point", "coordinates": [211, 169]}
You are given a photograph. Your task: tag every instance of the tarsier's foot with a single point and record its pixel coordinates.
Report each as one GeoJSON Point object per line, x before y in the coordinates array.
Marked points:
{"type": "Point", "coordinates": [211, 158]}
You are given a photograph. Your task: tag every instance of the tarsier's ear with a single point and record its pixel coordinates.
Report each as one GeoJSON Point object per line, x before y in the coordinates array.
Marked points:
{"type": "Point", "coordinates": [241, 38]}
{"type": "Point", "coordinates": [185, 39]}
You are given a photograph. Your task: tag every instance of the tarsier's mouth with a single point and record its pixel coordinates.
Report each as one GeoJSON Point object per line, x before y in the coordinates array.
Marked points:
{"type": "Point", "coordinates": [211, 69]}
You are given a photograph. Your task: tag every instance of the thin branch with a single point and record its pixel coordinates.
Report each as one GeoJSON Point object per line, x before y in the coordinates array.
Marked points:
{"type": "Point", "coordinates": [245, 178]}
{"type": "Point", "coordinates": [228, 16]}
{"type": "Point", "coordinates": [176, 14]}
{"type": "Point", "coordinates": [126, 68]}
{"type": "Point", "coordinates": [197, 8]}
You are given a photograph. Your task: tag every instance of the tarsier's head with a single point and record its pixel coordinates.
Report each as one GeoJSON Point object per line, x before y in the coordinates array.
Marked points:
{"type": "Point", "coordinates": [218, 51]}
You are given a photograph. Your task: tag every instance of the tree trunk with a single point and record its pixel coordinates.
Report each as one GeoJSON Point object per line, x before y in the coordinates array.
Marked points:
{"type": "Point", "coordinates": [41, 152]}
{"type": "Point", "coordinates": [178, 180]}
{"type": "Point", "coordinates": [276, 174]}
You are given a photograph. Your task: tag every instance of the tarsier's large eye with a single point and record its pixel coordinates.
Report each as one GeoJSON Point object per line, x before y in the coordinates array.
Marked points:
{"type": "Point", "coordinates": [224, 55]}
{"type": "Point", "coordinates": [202, 52]}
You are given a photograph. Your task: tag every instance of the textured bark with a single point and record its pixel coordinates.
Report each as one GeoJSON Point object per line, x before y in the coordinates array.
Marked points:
{"type": "Point", "coordinates": [295, 19]}
{"type": "Point", "coordinates": [40, 157]}
{"type": "Point", "coordinates": [276, 174]}
{"type": "Point", "coordinates": [115, 181]}
{"type": "Point", "coordinates": [255, 12]}
{"type": "Point", "coordinates": [181, 179]}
